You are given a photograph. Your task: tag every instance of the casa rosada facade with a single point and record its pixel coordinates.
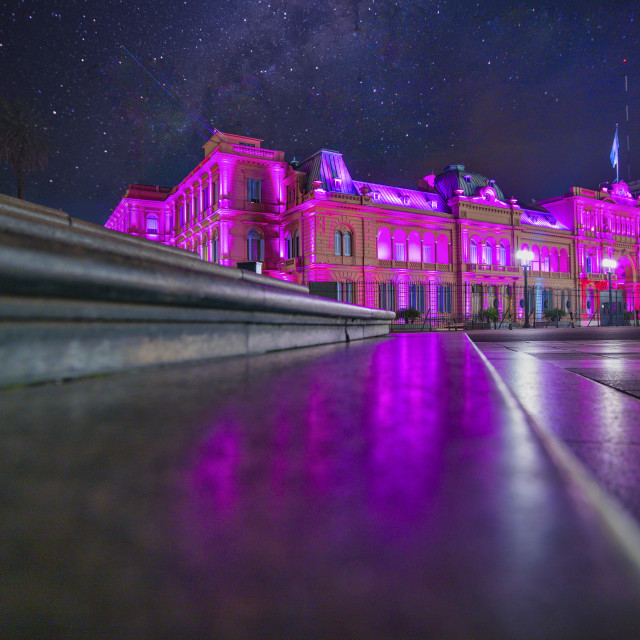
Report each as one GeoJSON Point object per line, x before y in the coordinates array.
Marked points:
{"type": "Point", "coordinates": [448, 246]}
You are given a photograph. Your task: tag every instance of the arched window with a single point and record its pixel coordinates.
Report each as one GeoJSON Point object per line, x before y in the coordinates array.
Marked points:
{"type": "Point", "coordinates": [535, 263]}
{"type": "Point", "coordinates": [337, 243]}
{"type": "Point", "coordinates": [503, 254]}
{"type": "Point", "coordinates": [288, 246]}
{"type": "Point", "coordinates": [545, 263]}
{"type": "Point", "coordinates": [296, 244]}
{"type": "Point", "coordinates": [442, 255]}
{"type": "Point", "coordinates": [488, 253]}
{"type": "Point", "coordinates": [473, 251]}
{"type": "Point", "coordinates": [414, 247]}
{"type": "Point", "coordinates": [564, 261]}
{"type": "Point", "coordinates": [205, 197]}
{"type": "Point", "coordinates": [399, 245]}
{"type": "Point", "coordinates": [428, 248]}
{"type": "Point", "coordinates": [255, 246]}
{"type": "Point", "coordinates": [384, 244]}
{"type": "Point", "coordinates": [588, 263]}
{"type": "Point", "coordinates": [554, 263]}
{"type": "Point", "coordinates": [152, 223]}
{"type": "Point", "coordinates": [205, 249]}
{"type": "Point", "coordinates": [347, 243]}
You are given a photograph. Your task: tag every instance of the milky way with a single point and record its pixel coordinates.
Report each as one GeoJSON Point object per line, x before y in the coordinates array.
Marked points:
{"type": "Point", "coordinates": [527, 95]}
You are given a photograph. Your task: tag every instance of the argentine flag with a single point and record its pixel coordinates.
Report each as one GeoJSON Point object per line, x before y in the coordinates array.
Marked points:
{"type": "Point", "coordinates": [614, 150]}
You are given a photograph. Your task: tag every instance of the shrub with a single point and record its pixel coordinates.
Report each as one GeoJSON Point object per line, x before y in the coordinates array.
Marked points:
{"type": "Point", "coordinates": [408, 314]}
{"type": "Point", "coordinates": [490, 315]}
{"type": "Point", "coordinates": [554, 314]}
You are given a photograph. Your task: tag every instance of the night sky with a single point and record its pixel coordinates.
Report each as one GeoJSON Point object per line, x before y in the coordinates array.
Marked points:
{"type": "Point", "coordinates": [528, 96]}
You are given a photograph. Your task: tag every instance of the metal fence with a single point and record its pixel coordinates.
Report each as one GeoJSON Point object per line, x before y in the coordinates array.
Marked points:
{"type": "Point", "coordinates": [429, 306]}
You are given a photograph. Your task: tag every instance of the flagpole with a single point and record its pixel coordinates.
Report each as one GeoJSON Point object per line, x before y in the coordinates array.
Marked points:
{"type": "Point", "coordinates": [618, 158]}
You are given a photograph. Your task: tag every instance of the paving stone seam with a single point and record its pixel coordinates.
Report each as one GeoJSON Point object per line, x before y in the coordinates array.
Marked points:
{"type": "Point", "coordinates": [613, 517]}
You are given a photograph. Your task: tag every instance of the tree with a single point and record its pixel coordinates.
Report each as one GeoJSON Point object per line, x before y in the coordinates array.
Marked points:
{"type": "Point", "coordinates": [24, 144]}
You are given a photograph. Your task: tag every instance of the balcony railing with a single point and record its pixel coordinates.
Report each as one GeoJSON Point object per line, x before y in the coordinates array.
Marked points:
{"type": "Point", "coordinates": [597, 276]}
{"type": "Point", "coordinates": [494, 268]}
{"type": "Point", "coordinates": [253, 151]}
{"type": "Point", "coordinates": [423, 266]}
{"type": "Point", "coordinates": [290, 264]}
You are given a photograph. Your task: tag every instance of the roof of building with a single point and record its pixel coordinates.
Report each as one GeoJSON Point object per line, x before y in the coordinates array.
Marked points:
{"type": "Point", "coordinates": [455, 177]}
{"type": "Point", "coordinates": [536, 215]}
{"type": "Point", "coordinates": [401, 197]}
{"type": "Point", "coordinates": [147, 192]}
{"type": "Point", "coordinates": [328, 167]}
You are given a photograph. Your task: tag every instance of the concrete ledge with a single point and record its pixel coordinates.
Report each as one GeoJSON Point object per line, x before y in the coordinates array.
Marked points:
{"type": "Point", "coordinates": [80, 300]}
{"type": "Point", "coordinates": [19, 218]}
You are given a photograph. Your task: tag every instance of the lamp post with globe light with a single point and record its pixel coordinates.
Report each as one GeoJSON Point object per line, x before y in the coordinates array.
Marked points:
{"type": "Point", "coordinates": [525, 256]}
{"type": "Point", "coordinates": [610, 265]}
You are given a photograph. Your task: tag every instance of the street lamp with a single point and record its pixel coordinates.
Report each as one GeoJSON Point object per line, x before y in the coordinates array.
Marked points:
{"type": "Point", "coordinates": [610, 265]}
{"type": "Point", "coordinates": [525, 256]}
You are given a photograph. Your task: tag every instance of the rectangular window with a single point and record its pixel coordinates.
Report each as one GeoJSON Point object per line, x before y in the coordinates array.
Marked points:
{"type": "Point", "coordinates": [188, 211]}
{"type": "Point", "coordinates": [416, 297]}
{"type": "Point", "coordinates": [196, 205]}
{"type": "Point", "coordinates": [348, 293]}
{"type": "Point", "coordinates": [254, 190]}
{"type": "Point", "coordinates": [386, 295]}
{"type": "Point", "coordinates": [205, 198]}
{"type": "Point", "coordinates": [339, 291]}
{"type": "Point", "coordinates": [215, 192]}
{"type": "Point", "coordinates": [427, 253]}
{"type": "Point", "coordinates": [444, 298]}
{"type": "Point", "coordinates": [400, 252]}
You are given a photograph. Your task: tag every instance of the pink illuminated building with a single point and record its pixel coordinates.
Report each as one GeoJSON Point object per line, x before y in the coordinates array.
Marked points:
{"type": "Point", "coordinates": [448, 246]}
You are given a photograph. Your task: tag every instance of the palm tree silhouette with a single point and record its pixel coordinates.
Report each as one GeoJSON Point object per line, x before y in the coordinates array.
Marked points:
{"type": "Point", "coordinates": [24, 144]}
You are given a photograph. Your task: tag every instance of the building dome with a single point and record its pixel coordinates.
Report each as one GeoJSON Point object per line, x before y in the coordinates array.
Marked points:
{"type": "Point", "coordinates": [455, 176]}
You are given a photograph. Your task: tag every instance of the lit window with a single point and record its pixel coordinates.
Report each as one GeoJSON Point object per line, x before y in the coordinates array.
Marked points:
{"type": "Point", "coordinates": [399, 251]}
{"type": "Point", "coordinates": [254, 190]}
{"type": "Point", "coordinates": [473, 252]}
{"type": "Point", "coordinates": [152, 224]}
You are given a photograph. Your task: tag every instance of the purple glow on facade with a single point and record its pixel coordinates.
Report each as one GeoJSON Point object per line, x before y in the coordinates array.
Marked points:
{"type": "Point", "coordinates": [457, 227]}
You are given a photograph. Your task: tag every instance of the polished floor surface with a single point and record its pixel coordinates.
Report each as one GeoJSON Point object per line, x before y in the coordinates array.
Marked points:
{"type": "Point", "coordinates": [586, 392]}
{"type": "Point", "coordinates": [390, 488]}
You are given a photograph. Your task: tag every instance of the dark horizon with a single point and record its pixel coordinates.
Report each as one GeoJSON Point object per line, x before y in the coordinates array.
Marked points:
{"type": "Point", "coordinates": [527, 96]}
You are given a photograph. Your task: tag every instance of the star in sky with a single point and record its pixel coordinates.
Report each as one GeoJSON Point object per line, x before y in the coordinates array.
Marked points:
{"type": "Point", "coordinates": [528, 95]}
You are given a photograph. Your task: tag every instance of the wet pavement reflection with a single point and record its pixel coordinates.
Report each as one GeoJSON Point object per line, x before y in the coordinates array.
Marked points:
{"type": "Point", "coordinates": [381, 489]}
{"type": "Point", "coordinates": [585, 392]}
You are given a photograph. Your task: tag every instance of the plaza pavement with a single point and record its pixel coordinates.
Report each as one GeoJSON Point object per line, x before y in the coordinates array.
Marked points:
{"type": "Point", "coordinates": [387, 488]}
{"type": "Point", "coordinates": [583, 385]}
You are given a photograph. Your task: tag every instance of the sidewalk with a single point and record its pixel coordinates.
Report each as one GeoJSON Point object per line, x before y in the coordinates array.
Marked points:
{"type": "Point", "coordinates": [388, 488]}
